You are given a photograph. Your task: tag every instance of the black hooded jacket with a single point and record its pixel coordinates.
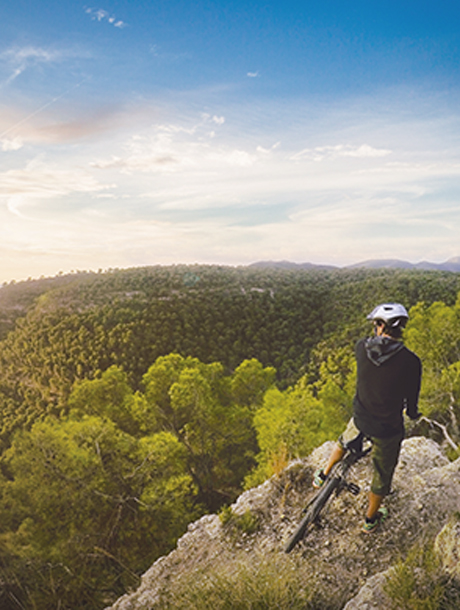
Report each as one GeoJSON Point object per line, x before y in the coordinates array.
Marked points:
{"type": "Point", "coordinates": [389, 378]}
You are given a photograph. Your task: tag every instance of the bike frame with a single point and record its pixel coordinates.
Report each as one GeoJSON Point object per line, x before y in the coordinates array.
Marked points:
{"type": "Point", "coordinates": [335, 483]}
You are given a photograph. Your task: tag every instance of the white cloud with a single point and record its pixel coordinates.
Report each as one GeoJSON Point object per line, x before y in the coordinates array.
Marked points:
{"type": "Point", "coordinates": [267, 151]}
{"type": "Point", "coordinates": [340, 150]}
{"type": "Point", "coordinates": [182, 167]}
{"type": "Point", "coordinates": [14, 144]}
{"type": "Point", "coordinates": [102, 15]}
{"type": "Point", "coordinates": [205, 118]}
{"type": "Point", "coordinates": [363, 151]}
{"type": "Point", "coordinates": [174, 148]}
{"type": "Point", "coordinates": [252, 74]}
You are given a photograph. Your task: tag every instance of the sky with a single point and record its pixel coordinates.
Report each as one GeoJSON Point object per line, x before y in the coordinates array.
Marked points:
{"type": "Point", "coordinates": [151, 132]}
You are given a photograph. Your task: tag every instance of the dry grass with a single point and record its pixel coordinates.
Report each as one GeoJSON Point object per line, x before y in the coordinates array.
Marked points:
{"type": "Point", "coordinates": [419, 583]}
{"type": "Point", "coordinates": [263, 583]}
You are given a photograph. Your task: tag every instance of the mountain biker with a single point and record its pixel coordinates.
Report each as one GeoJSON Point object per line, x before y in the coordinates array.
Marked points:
{"type": "Point", "coordinates": [388, 382]}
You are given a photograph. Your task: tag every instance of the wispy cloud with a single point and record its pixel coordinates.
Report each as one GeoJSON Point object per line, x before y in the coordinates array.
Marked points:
{"type": "Point", "coordinates": [20, 58]}
{"type": "Point", "coordinates": [320, 153]}
{"type": "Point", "coordinates": [174, 148]}
{"type": "Point", "coordinates": [103, 15]}
{"type": "Point", "coordinates": [29, 54]}
{"type": "Point", "coordinates": [41, 181]}
{"type": "Point", "coordinates": [162, 184]}
{"type": "Point", "coordinates": [45, 125]}
{"type": "Point", "coordinates": [167, 56]}
{"type": "Point", "coordinates": [252, 74]}
{"type": "Point", "coordinates": [218, 120]}
{"type": "Point", "coordinates": [202, 165]}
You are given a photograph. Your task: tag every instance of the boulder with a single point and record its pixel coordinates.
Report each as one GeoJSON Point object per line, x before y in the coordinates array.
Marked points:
{"type": "Point", "coordinates": [372, 595]}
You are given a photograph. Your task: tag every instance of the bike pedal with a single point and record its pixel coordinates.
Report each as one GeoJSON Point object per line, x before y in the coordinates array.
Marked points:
{"type": "Point", "coordinates": [353, 488]}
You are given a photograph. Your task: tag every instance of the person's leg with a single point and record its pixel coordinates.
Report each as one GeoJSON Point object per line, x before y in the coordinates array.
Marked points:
{"type": "Point", "coordinates": [335, 457]}
{"type": "Point", "coordinates": [375, 502]}
{"type": "Point", "coordinates": [321, 475]}
{"type": "Point", "coordinates": [385, 455]}
{"type": "Point", "coordinates": [350, 434]}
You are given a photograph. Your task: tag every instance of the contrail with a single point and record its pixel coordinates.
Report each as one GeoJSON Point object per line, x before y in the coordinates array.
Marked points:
{"type": "Point", "coordinates": [27, 118]}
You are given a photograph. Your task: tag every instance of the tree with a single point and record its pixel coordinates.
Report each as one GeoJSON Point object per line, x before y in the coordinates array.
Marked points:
{"type": "Point", "coordinates": [211, 415]}
{"type": "Point", "coordinates": [86, 507]}
{"type": "Point", "coordinates": [433, 333]}
{"type": "Point", "coordinates": [290, 424]}
{"type": "Point", "coordinates": [250, 381]}
{"type": "Point", "coordinates": [109, 397]}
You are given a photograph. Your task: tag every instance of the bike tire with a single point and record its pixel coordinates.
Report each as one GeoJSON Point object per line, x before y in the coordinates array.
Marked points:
{"type": "Point", "coordinates": [313, 511]}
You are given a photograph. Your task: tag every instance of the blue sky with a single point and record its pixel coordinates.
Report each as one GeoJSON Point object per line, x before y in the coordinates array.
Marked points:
{"type": "Point", "coordinates": [139, 133]}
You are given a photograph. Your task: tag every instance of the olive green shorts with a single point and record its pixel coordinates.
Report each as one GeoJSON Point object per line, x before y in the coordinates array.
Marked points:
{"type": "Point", "coordinates": [385, 455]}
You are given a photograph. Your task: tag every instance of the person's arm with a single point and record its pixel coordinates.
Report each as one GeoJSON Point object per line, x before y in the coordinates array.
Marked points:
{"type": "Point", "coordinates": [414, 390]}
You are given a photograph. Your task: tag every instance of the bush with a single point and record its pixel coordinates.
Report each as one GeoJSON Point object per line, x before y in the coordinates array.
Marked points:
{"type": "Point", "coordinates": [420, 583]}
{"type": "Point", "coordinates": [247, 523]}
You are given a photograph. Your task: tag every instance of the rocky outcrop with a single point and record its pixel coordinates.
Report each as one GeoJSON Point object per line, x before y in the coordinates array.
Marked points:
{"type": "Point", "coordinates": [447, 546]}
{"type": "Point", "coordinates": [349, 562]}
{"type": "Point", "coordinates": [372, 595]}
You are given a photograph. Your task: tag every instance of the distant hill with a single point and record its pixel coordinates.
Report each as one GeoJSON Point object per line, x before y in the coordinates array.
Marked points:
{"type": "Point", "coordinates": [453, 264]}
{"type": "Point", "coordinates": [290, 266]}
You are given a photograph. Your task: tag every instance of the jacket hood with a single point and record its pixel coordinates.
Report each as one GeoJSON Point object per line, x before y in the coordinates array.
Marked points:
{"type": "Point", "coordinates": [381, 349]}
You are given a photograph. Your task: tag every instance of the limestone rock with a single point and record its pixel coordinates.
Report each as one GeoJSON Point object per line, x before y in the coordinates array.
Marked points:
{"type": "Point", "coordinates": [371, 596]}
{"type": "Point", "coordinates": [447, 546]}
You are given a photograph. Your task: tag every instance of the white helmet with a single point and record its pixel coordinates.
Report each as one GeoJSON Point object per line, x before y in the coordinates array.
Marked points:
{"type": "Point", "coordinates": [393, 314]}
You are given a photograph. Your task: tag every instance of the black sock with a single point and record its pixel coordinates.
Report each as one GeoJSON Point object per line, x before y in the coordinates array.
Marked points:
{"type": "Point", "coordinates": [371, 519]}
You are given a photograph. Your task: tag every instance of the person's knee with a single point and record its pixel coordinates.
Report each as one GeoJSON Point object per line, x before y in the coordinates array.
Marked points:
{"type": "Point", "coordinates": [380, 489]}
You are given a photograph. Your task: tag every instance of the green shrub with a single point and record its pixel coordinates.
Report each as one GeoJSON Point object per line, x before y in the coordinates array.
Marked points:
{"type": "Point", "coordinates": [247, 523]}
{"type": "Point", "coordinates": [419, 583]}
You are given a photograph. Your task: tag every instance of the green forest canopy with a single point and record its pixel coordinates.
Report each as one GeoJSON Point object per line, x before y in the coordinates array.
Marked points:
{"type": "Point", "coordinates": [134, 401]}
{"type": "Point", "coordinates": [75, 327]}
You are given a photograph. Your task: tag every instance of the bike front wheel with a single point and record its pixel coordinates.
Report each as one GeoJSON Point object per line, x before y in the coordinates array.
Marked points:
{"type": "Point", "coordinates": [300, 531]}
{"type": "Point", "coordinates": [312, 513]}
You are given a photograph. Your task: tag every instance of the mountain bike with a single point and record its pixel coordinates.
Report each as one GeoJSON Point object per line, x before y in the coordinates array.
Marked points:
{"type": "Point", "coordinates": [335, 483]}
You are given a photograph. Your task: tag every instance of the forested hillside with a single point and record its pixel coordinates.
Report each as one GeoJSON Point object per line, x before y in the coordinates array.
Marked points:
{"type": "Point", "coordinates": [133, 401]}
{"type": "Point", "coordinates": [77, 326]}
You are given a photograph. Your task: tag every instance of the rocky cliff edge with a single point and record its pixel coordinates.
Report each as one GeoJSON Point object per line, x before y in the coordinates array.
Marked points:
{"type": "Point", "coordinates": [336, 555]}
